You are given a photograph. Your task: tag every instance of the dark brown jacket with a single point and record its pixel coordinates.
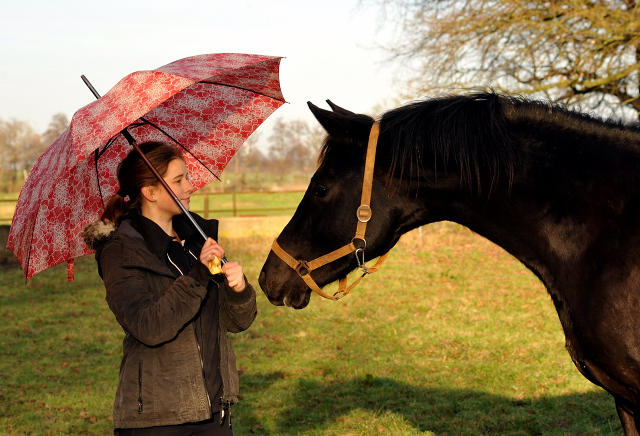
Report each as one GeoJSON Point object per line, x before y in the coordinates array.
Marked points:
{"type": "Point", "coordinates": [161, 375]}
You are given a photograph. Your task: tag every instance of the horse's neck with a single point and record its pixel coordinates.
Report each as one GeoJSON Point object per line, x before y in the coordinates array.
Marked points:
{"type": "Point", "coordinates": [563, 236]}
{"type": "Point", "coordinates": [521, 232]}
{"type": "Point", "coordinates": [572, 195]}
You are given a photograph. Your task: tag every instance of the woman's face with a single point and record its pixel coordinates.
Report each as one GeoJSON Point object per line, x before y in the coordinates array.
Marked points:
{"type": "Point", "coordinates": [177, 178]}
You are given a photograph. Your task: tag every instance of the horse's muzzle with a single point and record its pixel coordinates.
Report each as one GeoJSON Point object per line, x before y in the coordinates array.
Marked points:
{"type": "Point", "coordinates": [284, 294]}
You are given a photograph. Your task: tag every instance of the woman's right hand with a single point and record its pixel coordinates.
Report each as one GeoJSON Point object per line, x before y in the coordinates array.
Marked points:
{"type": "Point", "coordinates": [210, 249]}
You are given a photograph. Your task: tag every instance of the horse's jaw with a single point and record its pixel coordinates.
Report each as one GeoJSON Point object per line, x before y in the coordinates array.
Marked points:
{"type": "Point", "coordinates": [296, 297]}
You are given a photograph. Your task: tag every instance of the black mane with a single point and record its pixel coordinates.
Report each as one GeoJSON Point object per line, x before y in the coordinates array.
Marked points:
{"type": "Point", "coordinates": [469, 133]}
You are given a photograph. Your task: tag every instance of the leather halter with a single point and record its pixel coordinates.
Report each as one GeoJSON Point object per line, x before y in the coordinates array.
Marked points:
{"type": "Point", "coordinates": [363, 213]}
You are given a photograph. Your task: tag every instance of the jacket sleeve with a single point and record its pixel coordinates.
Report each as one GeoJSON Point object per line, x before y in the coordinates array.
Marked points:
{"type": "Point", "coordinates": [239, 309]}
{"type": "Point", "coordinates": [131, 299]}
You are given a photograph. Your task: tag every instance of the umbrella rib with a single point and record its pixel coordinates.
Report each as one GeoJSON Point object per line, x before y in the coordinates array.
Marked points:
{"type": "Point", "coordinates": [26, 270]}
{"type": "Point", "coordinates": [97, 155]}
{"type": "Point", "coordinates": [243, 89]}
{"type": "Point", "coordinates": [182, 146]}
{"type": "Point", "coordinates": [106, 146]}
{"type": "Point", "coordinates": [26, 273]}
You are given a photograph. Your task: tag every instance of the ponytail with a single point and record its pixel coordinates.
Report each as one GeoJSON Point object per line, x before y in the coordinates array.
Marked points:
{"type": "Point", "coordinates": [117, 209]}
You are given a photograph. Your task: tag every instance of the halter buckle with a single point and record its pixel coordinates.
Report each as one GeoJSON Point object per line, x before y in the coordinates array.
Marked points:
{"type": "Point", "coordinates": [363, 213]}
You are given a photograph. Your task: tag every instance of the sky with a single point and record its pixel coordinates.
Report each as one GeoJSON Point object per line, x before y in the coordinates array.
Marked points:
{"type": "Point", "coordinates": [329, 48]}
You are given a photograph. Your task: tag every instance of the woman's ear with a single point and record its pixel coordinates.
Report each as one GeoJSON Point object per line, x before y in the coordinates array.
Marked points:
{"type": "Point", "coordinates": [149, 193]}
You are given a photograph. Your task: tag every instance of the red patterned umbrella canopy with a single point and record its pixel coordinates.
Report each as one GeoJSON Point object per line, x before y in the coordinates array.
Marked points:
{"type": "Point", "coordinates": [207, 105]}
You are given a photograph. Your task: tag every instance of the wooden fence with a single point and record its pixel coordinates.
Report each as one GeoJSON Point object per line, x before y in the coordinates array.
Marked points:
{"type": "Point", "coordinates": [214, 204]}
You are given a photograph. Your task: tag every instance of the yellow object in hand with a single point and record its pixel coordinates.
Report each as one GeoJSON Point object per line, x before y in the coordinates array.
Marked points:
{"type": "Point", "coordinates": [215, 266]}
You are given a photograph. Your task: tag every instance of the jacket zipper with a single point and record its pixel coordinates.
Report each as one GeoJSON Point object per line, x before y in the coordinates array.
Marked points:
{"type": "Point", "coordinates": [194, 333]}
{"type": "Point", "coordinates": [201, 366]}
{"type": "Point", "coordinates": [140, 386]}
{"type": "Point", "coordinates": [173, 263]}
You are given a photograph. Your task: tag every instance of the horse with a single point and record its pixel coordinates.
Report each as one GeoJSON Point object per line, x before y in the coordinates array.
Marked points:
{"type": "Point", "coordinates": [556, 188]}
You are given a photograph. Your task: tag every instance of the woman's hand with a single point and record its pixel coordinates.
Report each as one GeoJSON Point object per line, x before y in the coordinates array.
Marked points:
{"type": "Point", "coordinates": [232, 270]}
{"type": "Point", "coordinates": [235, 276]}
{"type": "Point", "coordinates": [210, 249]}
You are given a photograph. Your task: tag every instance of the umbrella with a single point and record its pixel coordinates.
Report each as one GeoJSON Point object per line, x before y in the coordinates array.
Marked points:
{"type": "Point", "coordinates": [208, 105]}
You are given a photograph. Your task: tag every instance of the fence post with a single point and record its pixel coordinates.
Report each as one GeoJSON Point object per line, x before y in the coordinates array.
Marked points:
{"type": "Point", "coordinates": [235, 211]}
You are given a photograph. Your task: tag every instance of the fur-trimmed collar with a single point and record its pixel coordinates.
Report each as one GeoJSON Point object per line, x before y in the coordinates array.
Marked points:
{"type": "Point", "coordinates": [97, 232]}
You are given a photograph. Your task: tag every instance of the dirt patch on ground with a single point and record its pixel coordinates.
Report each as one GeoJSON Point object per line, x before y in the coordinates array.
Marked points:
{"type": "Point", "coordinates": [7, 258]}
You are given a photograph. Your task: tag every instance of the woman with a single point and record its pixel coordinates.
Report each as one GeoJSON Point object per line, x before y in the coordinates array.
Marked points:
{"type": "Point", "coordinates": [178, 374]}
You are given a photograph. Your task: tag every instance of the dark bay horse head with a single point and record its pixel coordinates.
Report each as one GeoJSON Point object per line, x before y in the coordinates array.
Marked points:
{"type": "Point", "coordinates": [416, 154]}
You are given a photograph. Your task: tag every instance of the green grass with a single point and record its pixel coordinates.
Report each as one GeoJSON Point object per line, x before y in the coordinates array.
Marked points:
{"type": "Point", "coordinates": [451, 337]}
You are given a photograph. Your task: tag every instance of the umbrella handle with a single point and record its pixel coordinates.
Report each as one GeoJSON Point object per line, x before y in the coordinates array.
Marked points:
{"type": "Point", "coordinates": [155, 172]}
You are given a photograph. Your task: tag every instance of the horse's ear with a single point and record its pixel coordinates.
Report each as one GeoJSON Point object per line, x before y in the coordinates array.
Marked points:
{"type": "Point", "coordinates": [333, 122]}
{"type": "Point", "coordinates": [344, 126]}
{"type": "Point", "coordinates": [338, 109]}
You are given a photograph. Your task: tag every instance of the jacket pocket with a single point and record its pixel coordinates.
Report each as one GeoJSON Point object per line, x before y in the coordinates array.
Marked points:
{"type": "Point", "coordinates": [140, 386]}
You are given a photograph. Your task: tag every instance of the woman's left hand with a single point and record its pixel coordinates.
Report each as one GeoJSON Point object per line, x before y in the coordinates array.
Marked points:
{"type": "Point", "coordinates": [235, 276]}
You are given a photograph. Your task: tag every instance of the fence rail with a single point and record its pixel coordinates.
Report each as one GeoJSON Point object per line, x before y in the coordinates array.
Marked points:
{"type": "Point", "coordinates": [214, 204]}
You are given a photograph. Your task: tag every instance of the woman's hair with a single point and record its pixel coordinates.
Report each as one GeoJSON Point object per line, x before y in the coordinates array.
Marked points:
{"type": "Point", "coordinates": [133, 175]}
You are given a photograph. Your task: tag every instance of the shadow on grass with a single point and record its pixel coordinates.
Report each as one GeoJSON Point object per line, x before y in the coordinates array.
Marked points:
{"type": "Point", "coordinates": [336, 407]}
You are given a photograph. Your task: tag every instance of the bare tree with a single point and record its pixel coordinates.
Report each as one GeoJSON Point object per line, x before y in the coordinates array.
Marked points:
{"type": "Point", "coordinates": [20, 147]}
{"type": "Point", "coordinates": [58, 124]}
{"type": "Point", "coordinates": [248, 159]}
{"type": "Point", "coordinates": [583, 52]}
{"type": "Point", "coordinates": [293, 147]}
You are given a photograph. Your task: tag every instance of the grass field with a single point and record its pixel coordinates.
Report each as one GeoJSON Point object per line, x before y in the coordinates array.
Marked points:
{"type": "Point", "coordinates": [452, 337]}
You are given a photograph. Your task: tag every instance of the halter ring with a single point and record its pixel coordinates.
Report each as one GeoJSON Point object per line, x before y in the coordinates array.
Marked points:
{"type": "Point", "coordinates": [302, 268]}
{"type": "Point", "coordinates": [364, 243]}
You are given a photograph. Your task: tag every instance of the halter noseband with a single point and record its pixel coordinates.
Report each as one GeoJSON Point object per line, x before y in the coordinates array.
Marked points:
{"type": "Point", "coordinates": [363, 213]}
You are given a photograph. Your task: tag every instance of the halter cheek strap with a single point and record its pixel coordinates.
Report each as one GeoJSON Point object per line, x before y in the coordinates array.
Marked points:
{"type": "Point", "coordinates": [363, 213]}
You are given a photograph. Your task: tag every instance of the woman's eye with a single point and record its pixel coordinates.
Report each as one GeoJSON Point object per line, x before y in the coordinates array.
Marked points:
{"type": "Point", "coordinates": [320, 191]}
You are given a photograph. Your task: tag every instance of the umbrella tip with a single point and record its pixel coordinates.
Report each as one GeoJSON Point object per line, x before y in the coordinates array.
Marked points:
{"type": "Point", "coordinates": [90, 86]}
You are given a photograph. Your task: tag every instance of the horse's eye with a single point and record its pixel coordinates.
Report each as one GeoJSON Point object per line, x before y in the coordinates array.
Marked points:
{"type": "Point", "coordinates": [319, 191]}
